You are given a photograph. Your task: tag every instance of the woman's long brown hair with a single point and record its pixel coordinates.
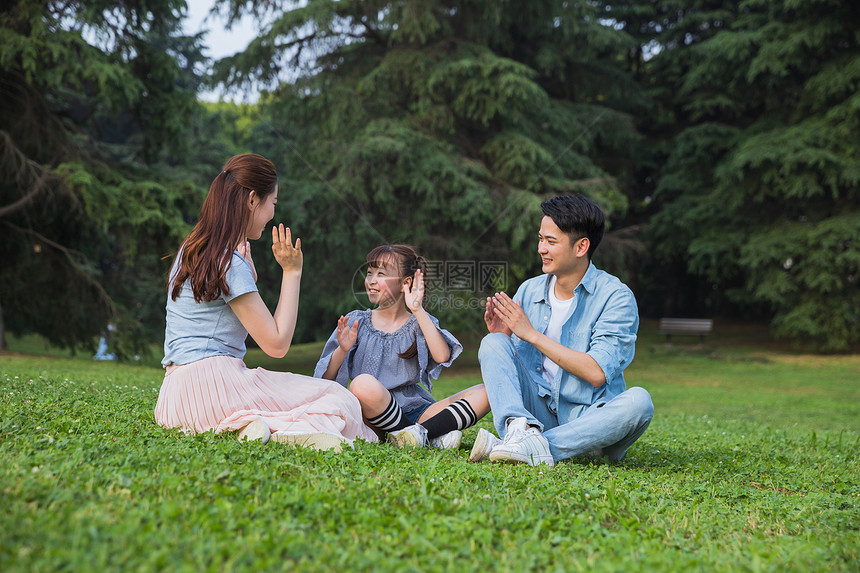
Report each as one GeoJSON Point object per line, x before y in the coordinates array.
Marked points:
{"type": "Point", "coordinates": [207, 251]}
{"type": "Point", "coordinates": [408, 261]}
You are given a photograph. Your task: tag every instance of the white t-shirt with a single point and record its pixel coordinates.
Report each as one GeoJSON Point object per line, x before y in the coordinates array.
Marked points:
{"type": "Point", "coordinates": [560, 313]}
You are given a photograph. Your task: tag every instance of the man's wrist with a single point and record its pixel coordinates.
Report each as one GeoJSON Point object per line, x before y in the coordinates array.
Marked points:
{"type": "Point", "coordinates": [531, 337]}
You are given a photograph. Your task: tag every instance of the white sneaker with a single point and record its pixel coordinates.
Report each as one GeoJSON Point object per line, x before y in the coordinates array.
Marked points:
{"type": "Point", "coordinates": [414, 436]}
{"type": "Point", "coordinates": [256, 430]}
{"type": "Point", "coordinates": [484, 444]}
{"type": "Point", "coordinates": [449, 441]}
{"type": "Point", "coordinates": [523, 446]}
{"type": "Point", "coordinates": [516, 430]}
{"type": "Point", "coordinates": [315, 440]}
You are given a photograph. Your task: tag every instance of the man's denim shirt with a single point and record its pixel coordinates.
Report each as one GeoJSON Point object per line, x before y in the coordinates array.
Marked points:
{"type": "Point", "coordinates": [603, 323]}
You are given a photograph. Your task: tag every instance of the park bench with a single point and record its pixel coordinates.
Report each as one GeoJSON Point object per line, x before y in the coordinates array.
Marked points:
{"type": "Point", "coordinates": [686, 327]}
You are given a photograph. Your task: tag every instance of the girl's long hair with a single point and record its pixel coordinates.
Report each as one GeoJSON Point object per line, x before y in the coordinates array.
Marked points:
{"type": "Point", "coordinates": [207, 251]}
{"type": "Point", "coordinates": [408, 261]}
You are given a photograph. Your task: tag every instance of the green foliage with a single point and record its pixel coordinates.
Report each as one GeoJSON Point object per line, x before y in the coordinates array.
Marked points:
{"type": "Point", "coordinates": [724, 133]}
{"type": "Point", "coordinates": [434, 124]}
{"type": "Point", "coordinates": [809, 271]}
{"type": "Point", "coordinates": [760, 190]}
{"type": "Point", "coordinates": [486, 88]}
{"type": "Point", "coordinates": [94, 188]}
{"type": "Point", "coordinates": [751, 463]}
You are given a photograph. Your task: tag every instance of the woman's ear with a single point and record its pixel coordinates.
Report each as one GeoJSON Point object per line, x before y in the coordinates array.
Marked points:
{"type": "Point", "coordinates": [253, 199]}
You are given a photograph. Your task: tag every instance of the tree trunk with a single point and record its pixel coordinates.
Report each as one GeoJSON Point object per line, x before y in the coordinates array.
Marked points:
{"type": "Point", "coordinates": [2, 330]}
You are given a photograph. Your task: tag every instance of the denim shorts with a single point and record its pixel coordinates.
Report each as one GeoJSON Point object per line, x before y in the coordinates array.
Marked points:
{"type": "Point", "coordinates": [413, 415]}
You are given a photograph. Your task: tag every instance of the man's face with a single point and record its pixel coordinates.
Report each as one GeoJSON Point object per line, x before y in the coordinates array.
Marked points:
{"type": "Point", "coordinates": [558, 255]}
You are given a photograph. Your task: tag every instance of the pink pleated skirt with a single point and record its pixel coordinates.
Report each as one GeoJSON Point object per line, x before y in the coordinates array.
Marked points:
{"type": "Point", "coordinates": [220, 393]}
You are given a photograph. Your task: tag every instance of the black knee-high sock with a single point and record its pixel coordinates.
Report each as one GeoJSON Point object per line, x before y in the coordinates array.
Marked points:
{"type": "Point", "coordinates": [457, 416]}
{"type": "Point", "coordinates": [391, 419]}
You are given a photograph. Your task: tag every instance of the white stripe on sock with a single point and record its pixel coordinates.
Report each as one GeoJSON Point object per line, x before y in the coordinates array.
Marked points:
{"type": "Point", "coordinates": [390, 418]}
{"type": "Point", "coordinates": [464, 414]}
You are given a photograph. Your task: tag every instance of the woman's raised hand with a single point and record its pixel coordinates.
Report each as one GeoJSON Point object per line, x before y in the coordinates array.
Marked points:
{"type": "Point", "coordinates": [290, 258]}
{"type": "Point", "coordinates": [346, 336]}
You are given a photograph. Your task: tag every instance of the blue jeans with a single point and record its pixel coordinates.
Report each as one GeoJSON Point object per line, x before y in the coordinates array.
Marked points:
{"type": "Point", "coordinates": [413, 415]}
{"type": "Point", "coordinates": [608, 426]}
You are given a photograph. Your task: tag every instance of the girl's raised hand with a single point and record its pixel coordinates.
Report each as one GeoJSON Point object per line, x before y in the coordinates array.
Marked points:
{"type": "Point", "coordinates": [346, 336]}
{"type": "Point", "coordinates": [415, 292]}
{"type": "Point", "coordinates": [245, 250]}
{"type": "Point", "coordinates": [290, 258]}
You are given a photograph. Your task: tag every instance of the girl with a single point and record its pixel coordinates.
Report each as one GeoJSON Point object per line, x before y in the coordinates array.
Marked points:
{"type": "Point", "coordinates": [212, 306]}
{"type": "Point", "coordinates": [389, 350]}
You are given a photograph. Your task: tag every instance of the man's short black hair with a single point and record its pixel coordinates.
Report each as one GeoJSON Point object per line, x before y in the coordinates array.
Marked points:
{"type": "Point", "coordinates": [578, 216]}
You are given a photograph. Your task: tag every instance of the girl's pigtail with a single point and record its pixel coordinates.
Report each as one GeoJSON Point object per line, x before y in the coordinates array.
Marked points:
{"type": "Point", "coordinates": [420, 264]}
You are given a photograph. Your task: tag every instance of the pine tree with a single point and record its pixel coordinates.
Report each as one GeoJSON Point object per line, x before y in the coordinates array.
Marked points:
{"type": "Point", "coordinates": [759, 193]}
{"type": "Point", "coordinates": [96, 96]}
{"type": "Point", "coordinates": [442, 124]}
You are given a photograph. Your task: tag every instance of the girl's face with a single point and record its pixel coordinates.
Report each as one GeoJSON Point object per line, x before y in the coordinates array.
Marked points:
{"type": "Point", "coordinates": [383, 282]}
{"type": "Point", "coordinates": [262, 211]}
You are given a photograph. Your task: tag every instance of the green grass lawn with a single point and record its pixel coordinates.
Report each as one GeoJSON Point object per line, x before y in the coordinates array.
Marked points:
{"type": "Point", "coordinates": [750, 464]}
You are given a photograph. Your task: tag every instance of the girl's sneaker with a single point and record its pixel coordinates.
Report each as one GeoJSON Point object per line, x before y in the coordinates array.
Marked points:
{"type": "Point", "coordinates": [449, 441]}
{"type": "Point", "coordinates": [414, 436]}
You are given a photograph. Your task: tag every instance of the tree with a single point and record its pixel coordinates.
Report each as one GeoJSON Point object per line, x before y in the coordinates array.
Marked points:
{"type": "Point", "coordinates": [759, 193]}
{"type": "Point", "coordinates": [92, 189]}
{"type": "Point", "coordinates": [442, 124]}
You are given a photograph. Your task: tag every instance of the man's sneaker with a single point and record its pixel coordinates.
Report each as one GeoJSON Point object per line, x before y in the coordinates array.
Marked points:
{"type": "Point", "coordinates": [484, 444]}
{"type": "Point", "coordinates": [315, 440]}
{"type": "Point", "coordinates": [515, 430]}
{"type": "Point", "coordinates": [486, 441]}
{"type": "Point", "coordinates": [449, 441]}
{"type": "Point", "coordinates": [520, 446]}
{"type": "Point", "coordinates": [256, 430]}
{"type": "Point", "coordinates": [414, 436]}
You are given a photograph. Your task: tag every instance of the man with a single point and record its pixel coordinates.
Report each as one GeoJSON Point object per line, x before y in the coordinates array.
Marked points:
{"type": "Point", "coordinates": [553, 362]}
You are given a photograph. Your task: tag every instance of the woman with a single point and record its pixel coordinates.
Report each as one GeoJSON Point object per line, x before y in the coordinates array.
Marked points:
{"type": "Point", "coordinates": [212, 306]}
